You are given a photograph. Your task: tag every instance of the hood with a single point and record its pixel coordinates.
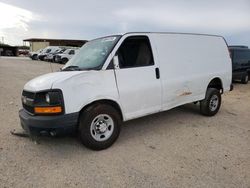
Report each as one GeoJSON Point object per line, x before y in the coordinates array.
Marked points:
{"type": "Point", "coordinates": [46, 81]}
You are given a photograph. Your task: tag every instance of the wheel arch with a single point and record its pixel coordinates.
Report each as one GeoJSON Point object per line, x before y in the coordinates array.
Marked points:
{"type": "Point", "coordinates": [105, 101]}
{"type": "Point", "coordinates": [216, 83]}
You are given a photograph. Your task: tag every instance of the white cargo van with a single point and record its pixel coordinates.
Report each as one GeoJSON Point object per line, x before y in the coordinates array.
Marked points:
{"type": "Point", "coordinates": [119, 78]}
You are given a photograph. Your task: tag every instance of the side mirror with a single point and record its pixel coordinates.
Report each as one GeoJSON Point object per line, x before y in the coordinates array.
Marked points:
{"type": "Point", "coordinates": [116, 62]}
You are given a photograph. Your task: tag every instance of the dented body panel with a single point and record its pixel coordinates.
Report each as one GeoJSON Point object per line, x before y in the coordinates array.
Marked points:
{"type": "Point", "coordinates": [86, 88]}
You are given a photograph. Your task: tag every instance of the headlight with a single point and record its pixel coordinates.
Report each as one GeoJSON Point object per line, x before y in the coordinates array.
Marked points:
{"type": "Point", "coordinates": [50, 102]}
{"type": "Point", "coordinates": [47, 98]}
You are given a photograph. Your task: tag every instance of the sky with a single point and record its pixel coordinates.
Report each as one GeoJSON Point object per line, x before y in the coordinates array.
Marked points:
{"type": "Point", "coordinates": [89, 19]}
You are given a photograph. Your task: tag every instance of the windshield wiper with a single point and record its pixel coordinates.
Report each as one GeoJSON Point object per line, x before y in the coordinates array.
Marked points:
{"type": "Point", "coordinates": [72, 68]}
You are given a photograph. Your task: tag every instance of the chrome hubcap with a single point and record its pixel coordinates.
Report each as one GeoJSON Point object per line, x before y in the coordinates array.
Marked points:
{"type": "Point", "coordinates": [214, 102]}
{"type": "Point", "coordinates": [102, 127]}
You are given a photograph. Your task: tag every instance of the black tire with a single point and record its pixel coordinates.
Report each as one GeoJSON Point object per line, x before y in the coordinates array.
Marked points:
{"type": "Point", "coordinates": [245, 78]}
{"type": "Point", "coordinates": [41, 58]}
{"type": "Point", "coordinates": [88, 116]}
{"type": "Point", "coordinates": [34, 57]}
{"type": "Point", "coordinates": [207, 107]}
{"type": "Point", "coordinates": [64, 60]}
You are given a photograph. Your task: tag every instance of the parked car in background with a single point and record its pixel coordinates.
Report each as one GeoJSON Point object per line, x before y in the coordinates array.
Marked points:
{"type": "Point", "coordinates": [65, 56]}
{"type": "Point", "coordinates": [34, 55]}
{"type": "Point", "coordinates": [51, 56]}
{"type": "Point", "coordinates": [23, 52]}
{"type": "Point", "coordinates": [46, 51]}
{"type": "Point", "coordinates": [240, 63]}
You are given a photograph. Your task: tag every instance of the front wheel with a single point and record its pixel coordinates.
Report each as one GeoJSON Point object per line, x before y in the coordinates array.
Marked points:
{"type": "Point", "coordinates": [212, 102]}
{"type": "Point", "coordinates": [64, 60]}
{"type": "Point", "coordinates": [99, 126]}
{"type": "Point", "coordinates": [34, 57]}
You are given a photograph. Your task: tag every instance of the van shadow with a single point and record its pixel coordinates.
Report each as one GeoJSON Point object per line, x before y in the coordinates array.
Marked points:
{"type": "Point", "coordinates": [130, 129]}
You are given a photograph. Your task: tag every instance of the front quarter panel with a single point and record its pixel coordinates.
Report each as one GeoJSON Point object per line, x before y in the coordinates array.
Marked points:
{"type": "Point", "coordinates": [87, 87]}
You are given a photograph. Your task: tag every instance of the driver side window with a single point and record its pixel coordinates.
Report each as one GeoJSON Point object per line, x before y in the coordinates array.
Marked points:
{"type": "Point", "coordinates": [135, 52]}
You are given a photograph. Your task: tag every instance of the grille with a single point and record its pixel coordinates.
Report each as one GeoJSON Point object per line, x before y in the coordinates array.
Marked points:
{"type": "Point", "coordinates": [27, 101]}
{"type": "Point", "coordinates": [30, 109]}
{"type": "Point", "coordinates": [28, 94]}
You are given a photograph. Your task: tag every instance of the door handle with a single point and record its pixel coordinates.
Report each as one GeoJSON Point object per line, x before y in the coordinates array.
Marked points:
{"type": "Point", "coordinates": [157, 73]}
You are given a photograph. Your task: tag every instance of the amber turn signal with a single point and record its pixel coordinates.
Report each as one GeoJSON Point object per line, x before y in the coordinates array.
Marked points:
{"type": "Point", "coordinates": [48, 110]}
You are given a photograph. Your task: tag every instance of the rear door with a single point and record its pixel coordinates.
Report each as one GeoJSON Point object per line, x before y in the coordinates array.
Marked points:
{"type": "Point", "coordinates": [138, 78]}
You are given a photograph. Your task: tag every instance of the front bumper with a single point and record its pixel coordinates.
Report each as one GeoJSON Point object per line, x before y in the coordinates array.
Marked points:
{"type": "Point", "coordinates": [60, 124]}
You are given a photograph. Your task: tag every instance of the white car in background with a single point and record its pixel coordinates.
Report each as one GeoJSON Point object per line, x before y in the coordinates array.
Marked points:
{"type": "Point", "coordinates": [51, 56]}
{"type": "Point", "coordinates": [46, 51]}
{"type": "Point", "coordinates": [34, 55]}
{"type": "Point", "coordinates": [65, 56]}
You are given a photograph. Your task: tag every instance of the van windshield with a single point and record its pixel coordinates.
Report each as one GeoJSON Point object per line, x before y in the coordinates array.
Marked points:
{"type": "Point", "coordinates": [92, 55]}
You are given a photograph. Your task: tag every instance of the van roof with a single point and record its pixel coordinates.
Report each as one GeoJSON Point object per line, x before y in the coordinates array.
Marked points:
{"type": "Point", "coordinates": [119, 35]}
{"type": "Point", "coordinates": [160, 33]}
{"type": "Point", "coordinates": [175, 33]}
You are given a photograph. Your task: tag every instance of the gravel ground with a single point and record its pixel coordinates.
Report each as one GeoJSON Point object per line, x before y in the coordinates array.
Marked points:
{"type": "Point", "coordinates": [177, 148]}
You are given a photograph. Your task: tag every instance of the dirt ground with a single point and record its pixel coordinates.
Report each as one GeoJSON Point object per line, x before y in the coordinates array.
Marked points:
{"type": "Point", "coordinates": [177, 148]}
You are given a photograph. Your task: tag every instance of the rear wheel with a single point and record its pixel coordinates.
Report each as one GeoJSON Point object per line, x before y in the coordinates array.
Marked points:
{"type": "Point", "coordinates": [212, 102]}
{"type": "Point", "coordinates": [99, 126]}
{"type": "Point", "coordinates": [245, 78]}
